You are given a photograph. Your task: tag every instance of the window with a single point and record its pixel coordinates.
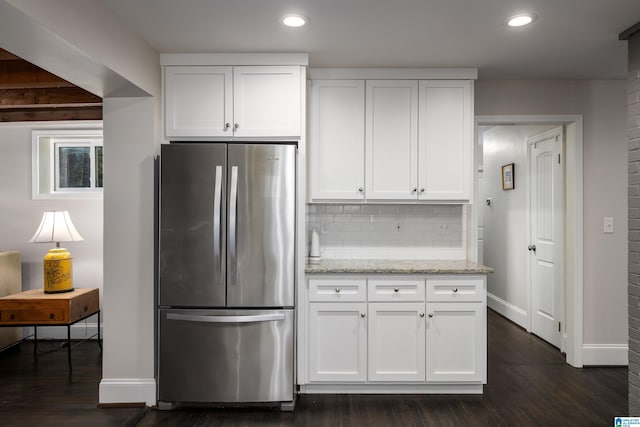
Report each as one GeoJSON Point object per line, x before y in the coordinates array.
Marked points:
{"type": "Point", "coordinates": [67, 163]}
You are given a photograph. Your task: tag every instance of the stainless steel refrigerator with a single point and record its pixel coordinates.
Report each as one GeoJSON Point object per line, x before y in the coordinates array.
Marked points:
{"type": "Point", "coordinates": [226, 273]}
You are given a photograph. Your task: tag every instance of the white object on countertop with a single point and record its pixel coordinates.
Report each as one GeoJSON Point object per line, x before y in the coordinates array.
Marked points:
{"type": "Point", "coordinates": [314, 253]}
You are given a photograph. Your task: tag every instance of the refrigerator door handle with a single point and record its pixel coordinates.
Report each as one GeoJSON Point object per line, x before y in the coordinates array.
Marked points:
{"type": "Point", "coordinates": [227, 319]}
{"type": "Point", "coordinates": [217, 240]}
{"type": "Point", "coordinates": [233, 225]}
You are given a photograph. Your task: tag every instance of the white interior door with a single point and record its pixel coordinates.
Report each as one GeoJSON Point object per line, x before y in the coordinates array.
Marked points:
{"type": "Point", "coordinates": [546, 243]}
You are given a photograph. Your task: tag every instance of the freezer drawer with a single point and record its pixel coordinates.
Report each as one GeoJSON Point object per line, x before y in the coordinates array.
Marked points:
{"type": "Point", "coordinates": [226, 356]}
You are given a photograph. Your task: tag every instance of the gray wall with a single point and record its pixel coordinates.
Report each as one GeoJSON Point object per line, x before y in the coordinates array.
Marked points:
{"type": "Point", "coordinates": [602, 106]}
{"type": "Point", "coordinates": [633, 125]}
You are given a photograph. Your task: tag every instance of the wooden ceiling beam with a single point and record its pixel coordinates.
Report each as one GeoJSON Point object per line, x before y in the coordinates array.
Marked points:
{"type": "Point", "coordinates": [51, 114]}
{"type": "Point", "coordinates": [16, 74]}
{"type": "Point", "coordinates": [74, 96]}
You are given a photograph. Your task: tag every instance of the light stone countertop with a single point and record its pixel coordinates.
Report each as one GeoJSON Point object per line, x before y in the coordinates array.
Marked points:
{"type": "Point", "coordinates": [391, 266]}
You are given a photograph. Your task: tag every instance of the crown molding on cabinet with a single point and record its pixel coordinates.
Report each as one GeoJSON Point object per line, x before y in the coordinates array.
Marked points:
{"type": "Point", "coordinates": [395, 73]}
{"type": "Point", "coordinates": [234, 59]}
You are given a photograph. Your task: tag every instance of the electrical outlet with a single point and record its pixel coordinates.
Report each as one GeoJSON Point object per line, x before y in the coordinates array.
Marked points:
{"type": "Point", "coordinates": [398, 227]}
{"type": "Point", "coordinates": [608, 225]}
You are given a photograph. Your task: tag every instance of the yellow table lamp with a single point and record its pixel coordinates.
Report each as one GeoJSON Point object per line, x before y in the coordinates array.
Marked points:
{"type": "Point", "coordinates": [56, 226]}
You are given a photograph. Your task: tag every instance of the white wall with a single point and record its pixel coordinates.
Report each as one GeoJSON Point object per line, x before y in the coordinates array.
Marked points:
{"type": "Point", "coordinates": [20, 215]}
{"type": "Point", "coordinates": [603, 107]}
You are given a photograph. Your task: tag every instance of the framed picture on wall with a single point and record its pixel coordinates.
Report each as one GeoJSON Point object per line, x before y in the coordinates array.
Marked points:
{"type": "Point", "coordinates": [508, 177]}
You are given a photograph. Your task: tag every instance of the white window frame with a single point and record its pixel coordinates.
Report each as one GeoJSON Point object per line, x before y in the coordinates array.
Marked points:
{"type": "Point", "coordinates": [45, 162]}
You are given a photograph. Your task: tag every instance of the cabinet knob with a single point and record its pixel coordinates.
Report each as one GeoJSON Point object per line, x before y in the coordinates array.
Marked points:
{"type": "Point", "coordinates": [430, 314]}
{"type": "Point", "coordinates": [236, 126]}
{"type": "Point", "coordinates": [396, 290]}
{"type": "Point", "coordinates": [337, 290]}
{"type": "Point", "coordinates": [363, 315]}
{"type": "Point", "coordinates": [361, 190]}
{"type": "Point", "coordinates": [455, 290]}
{"type": "Point", "coordinates": [422, 190]}
{"type": "Point", "coordinates": [413, 190]}
{"type": "Point", "coordinates": [422, 315]}
{"type": "Point", "coordinates": [52, 316]}
{"type": "Point", "coordinates": [227, 126]}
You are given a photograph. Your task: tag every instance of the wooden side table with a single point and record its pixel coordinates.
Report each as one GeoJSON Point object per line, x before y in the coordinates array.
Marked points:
{"type": "Point", "coordinates": [35, 308]}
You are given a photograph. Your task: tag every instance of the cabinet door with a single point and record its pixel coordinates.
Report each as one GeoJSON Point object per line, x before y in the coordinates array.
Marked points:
{"type": "Point", "coordinates": [446, 140]}
{"type": "Point", "coordinates": [456, 345]}
{"type": "Point", "coordinates": [396, 342]}
{"type": "Point", "coordinates": [198, 102]}
{"type": "Point", "coordinates": [336, 145]}
{"type": "Point", "coordinates": [337, 341]}
{"type": "Point", "coordinates": [266, 101]}
{"type": "Point", "coordinates": [391, 139]}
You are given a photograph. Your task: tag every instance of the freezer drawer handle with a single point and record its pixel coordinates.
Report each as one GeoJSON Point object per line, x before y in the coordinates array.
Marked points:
{"type": "Point", "coordinates": [226, 319]}
{"type": "Point", "coordinates": [233, 224]}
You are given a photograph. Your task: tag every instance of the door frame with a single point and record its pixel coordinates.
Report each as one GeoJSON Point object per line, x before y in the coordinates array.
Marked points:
{"type": "Point", "coordinates": [573, 231]}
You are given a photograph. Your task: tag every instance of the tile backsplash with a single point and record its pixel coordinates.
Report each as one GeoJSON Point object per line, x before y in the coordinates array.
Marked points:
{"type": "Point", "coordinates": [359, 231]}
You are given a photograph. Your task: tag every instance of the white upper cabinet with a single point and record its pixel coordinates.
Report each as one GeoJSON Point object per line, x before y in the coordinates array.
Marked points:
{"type": "Point", "coordinates": [266, 101]}
{"type": "Point", "coordinates": [446, 140]}
{"type": "Point", "coordinates": [391, 139]}
{"type": "Point", "coordinates": [336, 142]}
{"type": "Point", "coordinates": [418, 137]}
{"type": "Point", "coordinates": [198, 101]}
{"type": "Point", "coordinates": [226, 102]}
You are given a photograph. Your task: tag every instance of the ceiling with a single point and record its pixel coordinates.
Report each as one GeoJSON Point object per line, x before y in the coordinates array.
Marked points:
{"type": "Point", "coordinates": [29, 93]}
{"type": "Point", "coordinates": [571, 39]}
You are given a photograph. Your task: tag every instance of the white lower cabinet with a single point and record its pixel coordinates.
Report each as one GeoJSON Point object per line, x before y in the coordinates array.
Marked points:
{"type": "Point", "coordinates": [401, 334]}
{"type": "Point", "coordinates": [337, 341]}
{"type": "Point", "coordinates": [456, 344]}
{"type": "Point", "coordinates": [396, 341]}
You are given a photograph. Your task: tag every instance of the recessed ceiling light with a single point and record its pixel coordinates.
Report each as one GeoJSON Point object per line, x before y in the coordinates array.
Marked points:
{"type": "Point", "coordinates": [294, 20]}
{"type": "Point", "coordinates": [520, 20]}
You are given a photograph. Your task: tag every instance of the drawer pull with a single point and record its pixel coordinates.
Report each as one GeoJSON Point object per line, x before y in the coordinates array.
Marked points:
{"type": "Point", "coordinates": [396, 290]}
{"type": "Point", "coordinates": [337, 290]}
{"type": "Point", "coordinates": [455, 290]}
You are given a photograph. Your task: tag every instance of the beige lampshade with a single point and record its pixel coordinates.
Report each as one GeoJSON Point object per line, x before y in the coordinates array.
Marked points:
{"type": "Point", "coordinates": [56, 226]}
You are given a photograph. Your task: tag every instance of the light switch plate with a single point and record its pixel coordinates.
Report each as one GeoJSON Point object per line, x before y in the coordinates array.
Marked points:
{"type": "Point", "coordinates": [608, 225]}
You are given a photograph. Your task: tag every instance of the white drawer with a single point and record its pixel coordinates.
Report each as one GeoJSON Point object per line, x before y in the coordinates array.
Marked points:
{"type": "Point", "coordinates": [336, 290]}
{"type": "Point", "coordinates": [455, 290]}
{"type": "Point", "coordinates": [396, 290]}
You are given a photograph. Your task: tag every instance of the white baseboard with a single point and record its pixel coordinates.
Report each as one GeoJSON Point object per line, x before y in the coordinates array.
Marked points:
{"type": "Point", "coordinates": [508, 310]}
{"type": "Point", "coordinates": [128, 390]}
{"type": "Point", "coordinates": [605, 355]}
{"type": "Point", "coordinates": [79, 331]}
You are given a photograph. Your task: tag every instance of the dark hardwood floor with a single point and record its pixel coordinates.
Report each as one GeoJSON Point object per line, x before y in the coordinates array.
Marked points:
{"type": "Point", "coordinates": [529, 385]}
